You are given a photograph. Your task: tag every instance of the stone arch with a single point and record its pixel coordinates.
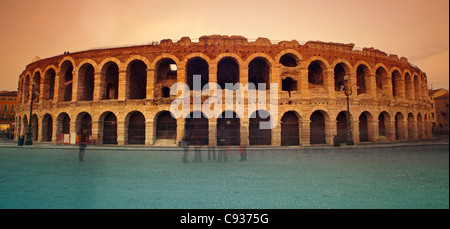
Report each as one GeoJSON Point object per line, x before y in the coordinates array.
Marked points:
{"type": "Point", "coordinates": [290, 53]}
{"type": "Point", "coordinates": [365, 129]}
{"type": "Point", "coordinates": [341, 126]}
{"type": "Point", "coordinates": [259, 72]}
{"type": "Point", "coordinates": [135, 128]}
{"type": "Point", "coordinates": [197, 128]}
{"type": "Point", "coordinates": [381, 78]}
{"type": "Point", "coordinates": [383, 120]}
{"type": "Point", "coordinates": [48, 92]}
{"type": "Point", "coordinates": [362, 77]}
{"type": "Point", "coordinates": [166, 73]}
{"type": "Point", "coordinates": [165, 125]}
{"type": "Point", "coordinates": [47, 128]}
{"type": "Point", "coordinates": [290, 129]}
{"type": "Point", "coordinates": [420, 126]}
{"type": "Point", "coordinates": [109, 80]}
{"type": "Point", "coordinates": [317, 72]}
{"type": "Point", "coordinates": [318, 120]}
{"type": "Point", "coordinates": [228, 71]}
{"type": "Point", "coordinates": [108, 128]}
{"type": "Point", "coordinates": [412, 130]}
{"type": "Point", "coordinates": [197, 65]}
{"type": "Point", "coordinates": [397, 82]}
{"type": "Point", "coordinates": [341, 69]}
{"type": "Point", "coordinates": [63, 123]}
{"type": "Point", "coordinates": [228, 129]}
{"type": "Point", "coordinates": [137, 78]}
{"type": "Point", "coordinates": [417, 87]}
{"type": "Point", "coordinates": [399, 128]}
{"type": "Point", "coordinates": [409, 85]}
{"type": "Point", "coordinates": [34, 127]}
{"type": "Point", "coordinates": [257, 135]}
{"type": "Point", "coordinates": [83, 123]}
{"type": "Point", "coordinates": [26, 88]}
{"type": "Point", "coordinates": [86, 79]}
{"type": "Point", "coordinates": [65, 76]}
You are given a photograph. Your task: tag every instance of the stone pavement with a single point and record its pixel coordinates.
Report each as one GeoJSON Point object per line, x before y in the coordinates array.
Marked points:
{"type": "Point", "coordinates": [437, 140]}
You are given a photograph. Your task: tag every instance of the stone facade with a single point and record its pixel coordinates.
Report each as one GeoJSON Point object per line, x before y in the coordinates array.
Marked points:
{"type": "Point", "coordinates": [121, 95]}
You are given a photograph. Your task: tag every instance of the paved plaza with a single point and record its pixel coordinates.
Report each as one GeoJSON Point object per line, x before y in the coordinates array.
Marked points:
{"type": "Point", "coordinates": [412, 175]}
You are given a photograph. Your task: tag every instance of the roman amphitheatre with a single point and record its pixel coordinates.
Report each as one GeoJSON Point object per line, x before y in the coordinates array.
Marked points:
{"type": "Point", "coordinates": [121, 95]}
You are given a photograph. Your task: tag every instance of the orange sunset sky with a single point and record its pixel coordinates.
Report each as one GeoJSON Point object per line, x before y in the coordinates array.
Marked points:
{"type": "Point", "coordinates": [415, 29]}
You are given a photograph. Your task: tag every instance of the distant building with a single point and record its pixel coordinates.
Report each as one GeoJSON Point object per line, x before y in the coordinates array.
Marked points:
{"type": "Point", "coordinates": [7, 110]}
{"type": "Point", "coordinates": [439, 98]}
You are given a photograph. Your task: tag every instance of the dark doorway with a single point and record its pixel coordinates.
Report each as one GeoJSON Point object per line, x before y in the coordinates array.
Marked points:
{"type": "Point", "coordinates": [317, 128]}
{"type": "Point", "coordinates": [228, 129]}
{"type": "Point", "coordinates": [363, 128]}
{"type": "Point", "coordinates": [47, 128]}
{"type": "Point", "coordinates": [110, 129]}
{"type": "Point", "coordinates": [136, 129]}
{"type": "Point", "coordinates": [258, 136]}
{"type": "Point", "coordinates": [166, 126]}
{"type": "Point", "coordinates": [197, 128]}
{"type": "Point", "coordinates": [289, 129]}
{"type": "Point", "coordinates": [341, 122]}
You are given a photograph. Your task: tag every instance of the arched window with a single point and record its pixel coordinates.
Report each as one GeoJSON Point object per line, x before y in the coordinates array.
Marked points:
{"type": "Point", "coordinates": [227, 72]}
{"type": "Point", "coordinates": [258, 72]}
{"type": "Point", "coordinates": [138, 80]}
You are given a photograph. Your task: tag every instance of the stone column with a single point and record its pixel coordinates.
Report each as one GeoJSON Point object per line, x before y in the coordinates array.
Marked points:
{"type": "Point", "coordinates": [180, 129]}
{"type": "Point", "coordinates": [150, 83]}
{"type": "Point", "coordinates": [212, 123]}
{"type": "Point", "coordinates": [95, 131]}
{"type": "Point", "coordinates": [390, 129]}
{"type": "Point", "coordinates": [372, 129]}
{"type": "Point", "coordinates": [305, 134]}
{"type": "Point", "coordinates": [244, 122]}
{"type": "Point", "coordinates": [123, 84]}
{"type": "Point", "coordinates": [99, 86]}
{"type": "Point", "coordinates": [276, 134]}
{"type": "Point", "coordinates": [149, 132]}
{"type": "Point", "coordinates": [371, 84]}
{"type": "Point", "coordinates": [329, 83]}
{"type": "Point", "coordinates": [75, 93]}
{"type": "Point", "coordinates": [304, 85]}
{"type": "Point", "coordinates": [121, 133]}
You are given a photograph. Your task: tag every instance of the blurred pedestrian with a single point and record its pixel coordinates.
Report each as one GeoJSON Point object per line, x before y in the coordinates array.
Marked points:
{"type": "Point", "coordinates": [185, 144]}
{"type": "Point", "coordinates": [243, 153]}
{"type": "Point", "coordinates": [82, 145]}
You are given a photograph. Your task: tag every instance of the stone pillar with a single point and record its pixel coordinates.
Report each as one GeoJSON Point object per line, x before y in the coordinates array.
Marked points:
{"type": "Point", "coordinates": [212, 126]}
{"type": "Point", "coordinates": [329, 83]}
{"type": "Point", "coordinates": [276, 134]}
{"type": "Point", "coordinates": [244, 122]}
{"type": "Point", "coordinates": [121, 133]}
{"type": "Point", "coordinates": [150, 83]}
{"type": "Point", "coordinates": [95, 131]}
{"type": "Point", "coordinates": [403, 128]}
{"type": "Point", "coordinates": [123, 84]}
{"type": "Point", "coordinates": [372, 129]}
{"type": "Point", "coordinates": [59, 89]}
{"type": "Point", "coordinates": [355, 128]}
{"type": "Point", "coordinates": [99, 86]}
{"type": "Point", "coordinates": [390, 129]}
{"type": "Point", "coordinates": [353, 83]}
{"type": "Point", "coordinates": [54, 130]}
{"type": "Point", "coordinates": [149, 132]}
{"type": "Point", "coordinates": [305, 132]}
{"type": "Point", "coordinates": [371, 84]}
{"type": "Point", "coordinates": [75, 93]}
{"type": "Point", "coordinates": [388, 89]}
{"type": "Point", "coordinates": [180, 129]}
{"type": "Point", "coordinates": [304, 85]}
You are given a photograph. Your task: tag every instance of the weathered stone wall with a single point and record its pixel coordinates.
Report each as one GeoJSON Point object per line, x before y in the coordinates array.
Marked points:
{"type": "Point", "coordinates": [382, 85]}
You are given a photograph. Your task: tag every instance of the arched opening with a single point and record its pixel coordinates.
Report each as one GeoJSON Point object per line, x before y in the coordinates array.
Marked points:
{"type": "Point", "coordinates": [25, 125]}
{"type": "Point", "coordinates": [37, 86]}
{"type": "Point", "coordinates": [136, 128]}
{"type": "Point", "coordinates": [166, 76]}
{"type": "Point", "coordinates": [111, 81]}
{"type": "Point", "coordinates": [49, 84]}
{"type": "Point", "coordinates": [197, 66]}
{"type": "Point", "coordinates": [396, 83]}
{"type": "Point", "coordinates": [420, 126]}
{"type": "Point", "coordinates": [258, 136]}
{"type": "Point", "coordinates": [197, 128]}
{"type": "Point", "coordinates": [382, 124]}
{"type": "Point", "coordinates": [34, 127]}
{"type": "Point", "coordinates": [315, 73]}
{"type": "Point", "coordinates": [86, 83]}
{"type": "Point", "coordinates": [110, 129]}
{"type": "Point", "coordinates": [380, 77]}
{"type": "Point", "coordinates": [398, 126]}
{"type": "Point", "coordinates": [417, 90]}
{"type": "Point", "coordinates": [288, 84]}
{"type": "Point", "coordinates": [259, 73]}
{"type": "Point", "coordinates": [166, 126]}
{"type": "Point", "coordinates": [341, 123]}
{"type": "Point", "coordinates": [339, 73]}
{"type": "Point", "coordinates": [138, 80]}
{"type": "Point", "coordinates": [47, 128]}
{"type": "Point", "coordinates": [409, 86]}
{"type": "Point", "coordinates": [26, 89]}
{"type": "Point", "coordinates": [84, 124]}
{"type": "Point", "coordinates": [228, 129]}
{"type": "Point", "coordinates": [411, 128]}
{"type": "Point", "coordinates": [227, 72]}
{"type": "Point", "coordinates": [290, 129]}
{"type": "Point", "coordinates": [317, 128]}
{"type": "Point", "coordinates": [361, 73]}
{"type": "Point", "coordinates": [66, 80]}
{"type": "Point", "coordinates": [288, 60]}
{"type": "Point", "coordinates": [363, 128]}
{"type": "Point", "coordinates": [63, 122]}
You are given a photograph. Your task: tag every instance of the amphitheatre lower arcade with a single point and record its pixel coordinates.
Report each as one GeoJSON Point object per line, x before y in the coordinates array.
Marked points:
{"type": "Point", "coordinates": [122, 95]}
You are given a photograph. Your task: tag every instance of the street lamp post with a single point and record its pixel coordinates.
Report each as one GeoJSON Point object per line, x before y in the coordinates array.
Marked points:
{"type": "Point", "coordinates": [28, 140]}
{"type": "Point", "coordinates": [348, 92]}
